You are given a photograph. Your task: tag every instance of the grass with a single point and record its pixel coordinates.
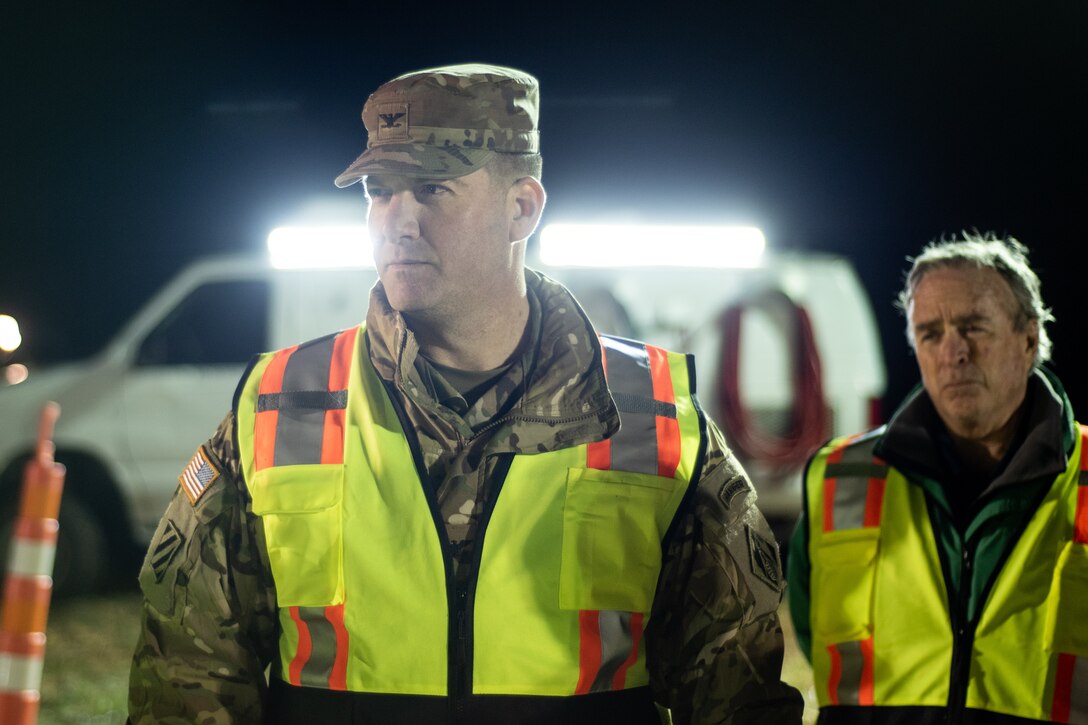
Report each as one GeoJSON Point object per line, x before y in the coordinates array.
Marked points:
{"type": "Point", "coordinates": [90, 643]}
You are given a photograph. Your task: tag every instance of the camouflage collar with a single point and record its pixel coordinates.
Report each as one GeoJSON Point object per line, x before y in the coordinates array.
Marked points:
{"type": "Point", "coordinates": [564, 399]}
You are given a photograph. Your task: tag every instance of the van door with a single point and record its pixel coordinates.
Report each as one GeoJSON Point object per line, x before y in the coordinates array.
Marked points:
{"type": "Point", "coordinates": [310, 303]}
{"type": "Point", "coordinates": [180, 383]}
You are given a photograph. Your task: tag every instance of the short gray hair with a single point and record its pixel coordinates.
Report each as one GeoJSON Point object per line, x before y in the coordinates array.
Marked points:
{"type": "Point", "coordinates": [1006, 256]}
{"type": "Point", "coordinates": [507, 168]}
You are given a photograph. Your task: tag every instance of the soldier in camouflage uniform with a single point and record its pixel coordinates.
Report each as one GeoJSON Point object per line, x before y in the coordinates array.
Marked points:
{"type": "Point", "coordinates": [482, 358]}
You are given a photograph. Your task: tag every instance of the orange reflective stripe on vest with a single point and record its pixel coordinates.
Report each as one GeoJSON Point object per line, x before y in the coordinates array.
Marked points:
{"type": "Point", "coordinates": [321, 658]}
{"type": "Point", "coordinates": [301, 419]}
{"type": "Point", "coordinates": [641, 384]}
{"type": "Point", "coordinates": [322, 655]}
{"type": "Point", "coordinates": [851, 680]}
{"type": "Point", "coordinates": [853, 487]}
{"type": "Point", "coordinates": [300, 387]}
{"type": "Point", "coordinates": [609, 646]}
{"type": "Point", "coordinates": [649, 442]}
{"type": "Point", "coordinates": [853, 499]}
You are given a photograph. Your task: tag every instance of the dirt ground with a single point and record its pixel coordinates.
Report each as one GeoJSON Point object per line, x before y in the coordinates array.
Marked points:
{"type": "Point", "coordinates": [90, 642]}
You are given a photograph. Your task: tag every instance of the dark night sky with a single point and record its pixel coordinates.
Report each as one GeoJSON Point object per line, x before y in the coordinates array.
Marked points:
{"type": "Point", "coordinates": [138, 136]}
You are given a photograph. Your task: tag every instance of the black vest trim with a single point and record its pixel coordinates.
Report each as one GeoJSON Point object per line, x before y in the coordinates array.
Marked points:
{"type": "Point", "coordinates": [303, 400]}
{"type": "Point", "coordinates": [627, 403]}
{"type": "Point", "coordinates": [901, 715]}
{"type": "Point", "coordinates": [290, 705]}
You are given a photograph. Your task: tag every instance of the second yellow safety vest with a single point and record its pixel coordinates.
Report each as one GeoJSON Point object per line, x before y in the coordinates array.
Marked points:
{"type": "Point", "coordinates": [881, 626]}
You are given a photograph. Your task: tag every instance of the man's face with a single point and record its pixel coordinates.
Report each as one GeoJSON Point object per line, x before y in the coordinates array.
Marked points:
{"type": "Point", "coordinates": [440, 245]}
{"type": "Point", "coordinates": [974, 363]}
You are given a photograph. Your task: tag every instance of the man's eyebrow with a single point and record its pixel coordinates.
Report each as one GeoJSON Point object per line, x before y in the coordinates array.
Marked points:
{"type": "Point", "coordinates": [926, 325]}
{"type": "Point", "coordinates": [411, 182]}
{"type": "Point", "coordinates": [958, 320]}
{"type": "Point", "coordinates": [970, 317]}
{"type": "Point", "coordinates": [455, 181]}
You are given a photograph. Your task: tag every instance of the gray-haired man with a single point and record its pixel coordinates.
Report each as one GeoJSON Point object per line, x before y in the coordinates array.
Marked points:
{"type": "Point", "coordinates": [940, 569]}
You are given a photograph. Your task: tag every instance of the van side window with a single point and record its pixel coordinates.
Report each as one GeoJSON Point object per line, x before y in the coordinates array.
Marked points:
{"type": "Point", "coordinates": [219, 323]}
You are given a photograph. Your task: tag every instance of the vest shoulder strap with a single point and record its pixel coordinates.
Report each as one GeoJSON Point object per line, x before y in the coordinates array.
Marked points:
{"type": "Point", "coordinates": [641, 381]}
{"type": "Point", "coordinates": [853, 487]}
{"type": "Point", "coordinates": [300, 403]}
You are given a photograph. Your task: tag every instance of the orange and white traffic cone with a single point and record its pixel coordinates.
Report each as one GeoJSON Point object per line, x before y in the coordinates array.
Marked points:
{"type": "Point", "coordinates": [29, 582]}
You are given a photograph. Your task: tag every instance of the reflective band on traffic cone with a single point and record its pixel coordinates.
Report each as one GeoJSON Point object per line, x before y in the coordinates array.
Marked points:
{"type": "Point", "coordinates": [29, 583]}
{"type": "Point", "coordinates": [33, 547]}
{"type": "Point", "coordinates": [21, 660]}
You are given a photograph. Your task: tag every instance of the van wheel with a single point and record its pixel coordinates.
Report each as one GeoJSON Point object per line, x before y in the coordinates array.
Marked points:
{"type": "Point", "coordinates": [82, 562]}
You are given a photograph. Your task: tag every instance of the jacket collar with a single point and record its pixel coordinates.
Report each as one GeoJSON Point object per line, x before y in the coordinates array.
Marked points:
{"type": "Point", "coordinates": [916, 440]}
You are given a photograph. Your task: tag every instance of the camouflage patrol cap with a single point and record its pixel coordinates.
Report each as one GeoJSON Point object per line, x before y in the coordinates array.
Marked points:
{"type": "Point", "coordinates": [447, 122]}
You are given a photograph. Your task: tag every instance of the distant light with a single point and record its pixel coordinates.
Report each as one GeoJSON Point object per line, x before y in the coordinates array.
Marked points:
{"type": "Point", "coordinates": [10, 338]}
{"type": "Point", "coordinates": [343, 245]}
{"type": "Point", "coordinates": [639, 245]}
{"type": "Point", "coordinates": [16, 373]}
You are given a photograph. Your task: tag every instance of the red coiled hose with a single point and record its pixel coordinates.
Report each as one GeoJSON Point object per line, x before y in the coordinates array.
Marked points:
{"type": "Point", "coordinates": [808, 420]}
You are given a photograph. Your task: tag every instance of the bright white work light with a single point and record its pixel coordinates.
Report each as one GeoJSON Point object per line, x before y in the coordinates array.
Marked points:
{"type": "Point", "coordinates": [10, 337]}
{"type": "Point", "coordinates": [342, 245]}
{"type": "Point", "coordinates": [639, 245]}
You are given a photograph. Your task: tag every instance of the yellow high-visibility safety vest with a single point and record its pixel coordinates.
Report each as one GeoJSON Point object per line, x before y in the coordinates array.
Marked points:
{"type": "Point", "coordinates": [881, 628]}
{"type": "Point", "coordinates": [567, 558]}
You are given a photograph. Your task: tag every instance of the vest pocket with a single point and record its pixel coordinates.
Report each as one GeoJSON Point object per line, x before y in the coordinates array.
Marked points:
{"type": "Point", "coordinates": [300, 507]}
{"type": "Point", "coordinates": [845, 564]}
{"type": "Point", "coordinates": [1066, 630]}
{"type": "Point", "coordinates": [612, 529]}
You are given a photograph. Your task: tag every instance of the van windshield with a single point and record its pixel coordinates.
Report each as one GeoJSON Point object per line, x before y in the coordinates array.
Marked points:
{"type": "Point", "coordinates": [218, 323]}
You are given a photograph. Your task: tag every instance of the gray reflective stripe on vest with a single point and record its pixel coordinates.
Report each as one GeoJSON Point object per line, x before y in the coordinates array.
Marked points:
{"type": "Point", "coordinates": [634, 446]}
{"type": "Point", "coordinates": [852, 474]}
{"type": "Point", "coordinates": [853, 663]}
{"type": "Point", "coordinates": [300, 425]}
{"type": "Point", "coordinates": [318, 668]}
{"type": "Point", "coordinates": [616, 644]}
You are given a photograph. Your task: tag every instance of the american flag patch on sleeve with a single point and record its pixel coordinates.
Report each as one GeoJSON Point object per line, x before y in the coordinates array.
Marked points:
{"type": "Point", "coordinates": [197, 476]}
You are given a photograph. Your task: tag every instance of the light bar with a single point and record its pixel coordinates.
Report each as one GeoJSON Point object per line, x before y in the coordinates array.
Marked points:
{"type": "Point", "coordinates": [640, 245]}
{"type": "Point", "coordinates": [343, 245]}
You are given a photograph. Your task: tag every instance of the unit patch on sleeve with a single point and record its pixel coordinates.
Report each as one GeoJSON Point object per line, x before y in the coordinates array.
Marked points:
{"type": "Point", "coordinates": [764, 560]}
{"type": "Point", "coordinates": [165, 547]}
{"type": "Point", "coordinates": [731, 488]}
{"type": "Point", "coordinates": [197, 476]}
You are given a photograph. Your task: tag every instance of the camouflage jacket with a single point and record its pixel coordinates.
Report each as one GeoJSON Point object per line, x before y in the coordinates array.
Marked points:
{"type": "Point", "coordinates": [714, 643]}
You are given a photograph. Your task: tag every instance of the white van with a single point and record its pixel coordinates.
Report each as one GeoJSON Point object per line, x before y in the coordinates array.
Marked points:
{"type": "Point", "coordinates": [133, 414]}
